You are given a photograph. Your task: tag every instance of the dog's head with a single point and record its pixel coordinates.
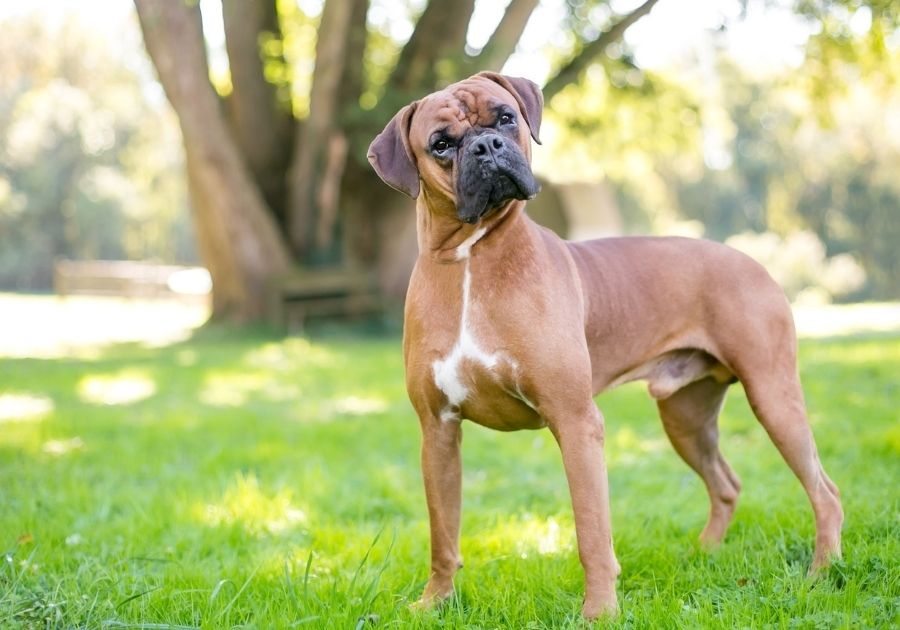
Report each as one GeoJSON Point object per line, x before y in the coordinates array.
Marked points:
{"type": "Point", "coordinates": [468, 146]}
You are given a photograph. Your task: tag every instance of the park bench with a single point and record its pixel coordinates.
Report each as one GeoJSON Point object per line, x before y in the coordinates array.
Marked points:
{"type": "Point", "coordinates": [336, 292]}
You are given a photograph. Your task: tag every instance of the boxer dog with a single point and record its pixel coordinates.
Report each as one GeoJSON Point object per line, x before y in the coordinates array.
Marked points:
{"type": "Point", "coordinates": [509, 326]}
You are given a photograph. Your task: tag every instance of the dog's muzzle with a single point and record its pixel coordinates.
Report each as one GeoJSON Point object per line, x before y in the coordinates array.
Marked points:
{"type": "Point", "coordinates": [492, 171]}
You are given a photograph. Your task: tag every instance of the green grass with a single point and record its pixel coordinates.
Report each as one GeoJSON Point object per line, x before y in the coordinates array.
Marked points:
{"type": "Point", "coordinates": [257, 482]}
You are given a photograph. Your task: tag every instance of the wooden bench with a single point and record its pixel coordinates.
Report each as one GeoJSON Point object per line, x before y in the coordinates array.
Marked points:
{"type": "Point", "coordinates": [341, 291]}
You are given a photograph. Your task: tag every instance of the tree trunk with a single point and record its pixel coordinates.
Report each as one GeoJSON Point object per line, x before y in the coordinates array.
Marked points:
{"type": "Point", "coordinates": [261, 122]}
{"type": "Point", "coordinates": [354, 59]}
{"type": "Point", "coordinates": [239, 240]}
{"type": "Point", "coordinates": [320, 150]}
{"type": "Point", "coordinates": [248, 201]}
{"type": "Point", "coordinates": [435, 52]}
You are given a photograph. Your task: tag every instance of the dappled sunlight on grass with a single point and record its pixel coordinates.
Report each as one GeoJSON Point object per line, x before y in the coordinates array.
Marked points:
{"type": "Point", "coordinates": [310, 409]}
{"type": "Point", "coordinates": [527, 534]}
{"type": "Point", "coordinates": [24, 407]}
{"type": "Point", "coordinates": [304, 374]}
{"type": "Point", "coordinates": [121, 388]}
{"type": "Point", "coordinates": [186, 358]}
{"type": "Point", "coordinates": [892, 439]}
{"type": "Point", "coordinates": [290, 354]}
{"type": "Point", "coordinates": [247, 505]}
{"type": "Point", "coordinates": [626, 447]}
{"type": "Point", "coordinates": [339, 550]}
{"type": "Point", "coordinates": [234, 389]}
{"type": "Point", "coordinates": [358, 406]}
{"type": "Point", "coordinates": [62, 447]}
{"type": "Point", "coordinates": [140, 507]}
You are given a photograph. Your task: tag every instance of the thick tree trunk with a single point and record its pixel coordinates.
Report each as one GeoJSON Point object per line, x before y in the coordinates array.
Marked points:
{"type": "Point", "coordinates": [262, 123]}
{"type": "Point", "coordinates": [239, 240]}
{"type": "Point", "coordinates": [238, 176]}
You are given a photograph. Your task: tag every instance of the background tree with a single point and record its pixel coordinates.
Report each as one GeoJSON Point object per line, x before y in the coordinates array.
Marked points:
{"type": "Point", "coordinates": [274, 183]}
{"type": "Point", "coordinates": [85, 170]}
{"type": "Point", "coordinates": [278, 137]}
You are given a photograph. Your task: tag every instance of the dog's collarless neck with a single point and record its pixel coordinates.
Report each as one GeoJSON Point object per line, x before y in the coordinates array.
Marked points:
{"type": "Point", "coordinates": [446, 240]}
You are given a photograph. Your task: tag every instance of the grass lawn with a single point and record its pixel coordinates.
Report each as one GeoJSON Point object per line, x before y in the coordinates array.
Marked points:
{"type": "Point", "coordinates": [258, 482]}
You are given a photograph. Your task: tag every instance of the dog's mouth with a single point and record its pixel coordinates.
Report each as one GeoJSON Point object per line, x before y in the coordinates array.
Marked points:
{"type": "Point", "coordinates": [493, 190]}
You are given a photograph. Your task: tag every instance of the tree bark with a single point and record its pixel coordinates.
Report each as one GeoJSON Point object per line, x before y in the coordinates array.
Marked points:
{"type": "Point", "coordinates": [311, 147]}
{"type": "Point", "coordinates": [435, 52]}
{"type": "Point", "coordinates": [503, 41]}
{"type": "Point", "coordinates": [353, 77]}
{"type": "Point", "coordinates": [261, 124]}
{"type": "Point", "coordinates": [239, 240]}
{"type": "Point", "coordinates": [570, 72]}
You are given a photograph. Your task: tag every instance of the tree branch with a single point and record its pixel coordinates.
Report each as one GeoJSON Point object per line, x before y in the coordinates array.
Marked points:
{"type": "Point", "coordinates": [503, 41]}
{"type": "Point", "coordinates": [440, 34]}
{"type": "Point", "coordinates": [570, 72]}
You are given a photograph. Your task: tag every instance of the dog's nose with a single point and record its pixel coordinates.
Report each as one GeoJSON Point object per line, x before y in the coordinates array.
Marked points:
{"type": "Point", "coordinates": [488, 146]}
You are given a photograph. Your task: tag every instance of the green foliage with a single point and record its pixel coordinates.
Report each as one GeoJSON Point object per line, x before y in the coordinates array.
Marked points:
{"type": "Point", "coordinates": [849, 42]}
{"type": "Point", "coordinates": [298, 48]}
{"type": "Point", "coordinates": [747, 154]}
{"type": "Point", "coordinates": [89, 168]}
{"type": "Point", "coordinates": [792, 169]}
{"type": "Point", "coordinates": [270, 483]}
{"type": "Point", "coordinates": [621, 124]}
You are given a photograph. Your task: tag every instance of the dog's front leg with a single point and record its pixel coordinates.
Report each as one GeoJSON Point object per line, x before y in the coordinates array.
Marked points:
{"type": "Point", "coordinates": [442, 473]}
{"type": "Point", "coordinates": [580, 438]}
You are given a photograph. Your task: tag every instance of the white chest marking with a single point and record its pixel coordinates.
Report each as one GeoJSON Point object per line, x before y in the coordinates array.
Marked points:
{"type": "Point", "coordinates": [464, 248]}
{"type": "Point", "coordinates": [446, 371]}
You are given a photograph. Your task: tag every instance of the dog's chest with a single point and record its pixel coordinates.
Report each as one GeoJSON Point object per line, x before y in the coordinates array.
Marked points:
{"type": "Point", "coordinates": [479, 381]}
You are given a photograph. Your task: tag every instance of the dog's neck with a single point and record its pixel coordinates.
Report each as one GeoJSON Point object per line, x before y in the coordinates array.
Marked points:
{"type": "Point", "coordinates": [445, 239]}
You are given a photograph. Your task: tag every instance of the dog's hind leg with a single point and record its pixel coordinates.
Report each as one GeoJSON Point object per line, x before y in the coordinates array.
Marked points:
{"type": "Point", "coordinates": [690, 418]}
{"type": "Point", "coordinates": [776, 398]}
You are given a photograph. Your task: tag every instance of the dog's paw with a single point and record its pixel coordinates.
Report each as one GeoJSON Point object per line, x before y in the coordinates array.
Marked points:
{"type": "Point", "coordinates": [823, 562]}
{"type": "Point", "coordinates": [600, 606]}
{"type": "Point", "coordinates": [432, 597]}
{"type": "Point", "coordinates": [423, 605]}
{"type": "Point", "coordinates": [594, 612]}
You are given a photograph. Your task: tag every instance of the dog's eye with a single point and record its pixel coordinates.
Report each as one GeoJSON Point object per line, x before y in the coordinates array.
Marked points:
{"type": "Point", "coordinates": [506, 119]}
{"type": "Point", "coordinates": [443, 149]}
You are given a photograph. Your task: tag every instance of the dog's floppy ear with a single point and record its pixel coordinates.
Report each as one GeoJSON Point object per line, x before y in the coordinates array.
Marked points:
{"type": "Point", "coordinates": [527, 94]}
{"type": "Point", "coordinates": [391, 155]}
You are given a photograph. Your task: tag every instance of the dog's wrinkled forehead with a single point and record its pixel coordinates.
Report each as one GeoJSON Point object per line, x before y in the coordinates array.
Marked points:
{"type": "Point", "coordinates": [400, 153]}
{"type": "Point", "coordinates": [459, 108]}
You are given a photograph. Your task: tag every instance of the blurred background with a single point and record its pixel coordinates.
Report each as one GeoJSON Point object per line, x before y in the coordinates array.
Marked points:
{"type": "Point", "coordinates": [219, 146]}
